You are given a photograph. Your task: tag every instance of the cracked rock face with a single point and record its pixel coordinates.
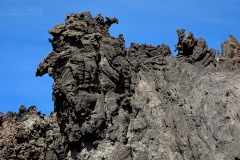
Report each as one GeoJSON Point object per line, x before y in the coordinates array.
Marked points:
{"type": "Point", "coordinates": [30, 135]}
{"type": "Point", "coordinates": [139, 103]}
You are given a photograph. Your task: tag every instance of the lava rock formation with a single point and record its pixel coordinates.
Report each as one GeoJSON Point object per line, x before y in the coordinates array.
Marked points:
{"type": "Point", "coordinates": [136, 103]}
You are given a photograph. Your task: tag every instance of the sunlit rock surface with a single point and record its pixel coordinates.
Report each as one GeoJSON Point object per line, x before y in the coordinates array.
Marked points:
{"type": "Point", "coordinates": [136, 103]}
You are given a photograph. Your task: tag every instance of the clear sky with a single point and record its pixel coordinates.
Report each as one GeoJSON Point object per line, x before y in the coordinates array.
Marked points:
{"type": "Point", "coordinates": [24, 37]}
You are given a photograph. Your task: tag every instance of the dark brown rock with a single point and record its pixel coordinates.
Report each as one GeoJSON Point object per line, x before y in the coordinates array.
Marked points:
{"type": "Point", "coordinates": [231, 48]}
{"type": "Point", "coordinates": [22, 109]}
{"type": "Point", "coordinates": [138, 103]}
{"type": "Point", "coordinates": [194, 50]}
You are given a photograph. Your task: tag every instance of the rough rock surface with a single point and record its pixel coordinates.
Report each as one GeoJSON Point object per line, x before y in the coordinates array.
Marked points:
{"type": "Point", "coordinates": [140, 103]}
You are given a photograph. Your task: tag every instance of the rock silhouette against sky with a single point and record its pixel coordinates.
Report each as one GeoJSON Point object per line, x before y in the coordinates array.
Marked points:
{"type": "Point", "coordinates": [136, 103]}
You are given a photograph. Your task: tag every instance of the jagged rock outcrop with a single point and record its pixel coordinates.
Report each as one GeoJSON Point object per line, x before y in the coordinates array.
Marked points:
{"type": "Point", "coordinates": [139, 103]}
{"type": "Point", "coordinates": [194, 50]}
{"type": "Point", "coordinates": [29, 134]}
{"type": "Point", "coordinates": [231, 48]}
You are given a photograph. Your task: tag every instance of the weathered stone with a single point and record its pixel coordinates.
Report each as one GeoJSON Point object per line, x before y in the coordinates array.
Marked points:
{"type": "Point", "coordinates": [138, 103]}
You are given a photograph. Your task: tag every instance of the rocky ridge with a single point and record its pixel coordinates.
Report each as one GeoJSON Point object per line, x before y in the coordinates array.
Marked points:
{"type": "Point", "coordinates": [139, 103]}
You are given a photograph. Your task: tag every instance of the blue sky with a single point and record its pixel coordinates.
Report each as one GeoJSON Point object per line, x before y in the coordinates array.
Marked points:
{"type": "Point", "coordinates": [24, 37]}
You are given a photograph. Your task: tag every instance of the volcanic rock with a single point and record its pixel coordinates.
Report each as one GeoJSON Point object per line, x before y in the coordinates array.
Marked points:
{"type": "Point", "coordinates": [136, 103]}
